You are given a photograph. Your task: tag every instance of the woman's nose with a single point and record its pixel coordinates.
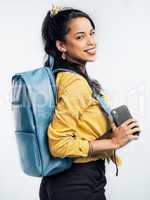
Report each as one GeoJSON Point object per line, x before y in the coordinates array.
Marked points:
{"type": "Point", "coordinates": [91, 40]}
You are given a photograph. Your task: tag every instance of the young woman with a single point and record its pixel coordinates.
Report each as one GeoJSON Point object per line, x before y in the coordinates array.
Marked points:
{"type": "Point", "coordinates": [69, 38]}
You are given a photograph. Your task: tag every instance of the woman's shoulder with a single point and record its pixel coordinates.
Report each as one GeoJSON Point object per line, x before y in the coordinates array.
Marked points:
{"type": "Point", "coordinates": [71, 80]}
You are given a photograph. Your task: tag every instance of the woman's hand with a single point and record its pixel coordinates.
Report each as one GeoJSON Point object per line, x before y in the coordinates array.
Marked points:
{"type": "Point", "coordinates": [120, 136]}
{"type": "Point", "coordinates": [125, 133]}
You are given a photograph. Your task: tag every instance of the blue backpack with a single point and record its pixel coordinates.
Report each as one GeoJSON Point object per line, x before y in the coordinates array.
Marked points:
{"type": "Point", "coordinates": [33, 105]}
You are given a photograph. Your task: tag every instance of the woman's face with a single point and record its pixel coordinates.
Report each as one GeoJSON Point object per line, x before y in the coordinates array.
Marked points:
{"type": "Point", "coordinates": [80, 41]}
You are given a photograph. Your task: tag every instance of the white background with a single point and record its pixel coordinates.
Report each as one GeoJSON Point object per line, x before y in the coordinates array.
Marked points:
{"type": "Point", "coordinates": [122, 67]}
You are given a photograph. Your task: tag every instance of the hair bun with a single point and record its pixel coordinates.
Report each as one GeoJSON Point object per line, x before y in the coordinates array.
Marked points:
{"type": "Point", "coordinates": [55, 9]}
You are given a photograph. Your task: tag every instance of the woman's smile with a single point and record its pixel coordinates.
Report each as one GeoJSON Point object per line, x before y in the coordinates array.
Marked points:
{"type": "Point", "coordinates": [91, 51]}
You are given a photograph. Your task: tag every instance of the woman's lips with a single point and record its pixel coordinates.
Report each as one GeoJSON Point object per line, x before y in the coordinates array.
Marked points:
{"type": "Point", "coordinates": [91, 51]}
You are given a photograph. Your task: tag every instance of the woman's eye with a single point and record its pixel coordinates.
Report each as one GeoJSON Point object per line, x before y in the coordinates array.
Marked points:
{"type": "Point", "coordinates": [80, 37]}
{"type": "Point", "coordinates": [93, 33]}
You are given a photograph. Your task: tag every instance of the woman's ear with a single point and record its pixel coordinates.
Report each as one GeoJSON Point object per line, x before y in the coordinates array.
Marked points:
{"type": "Point", "coordinates": [60, 46]}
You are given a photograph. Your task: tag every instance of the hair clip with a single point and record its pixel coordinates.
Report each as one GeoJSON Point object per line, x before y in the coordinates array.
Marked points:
{"type": "Point", "coordinates": [55, 9]}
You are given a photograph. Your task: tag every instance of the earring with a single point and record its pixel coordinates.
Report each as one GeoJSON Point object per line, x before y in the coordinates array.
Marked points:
{"type": "Point", "coordinates": [63, 56]}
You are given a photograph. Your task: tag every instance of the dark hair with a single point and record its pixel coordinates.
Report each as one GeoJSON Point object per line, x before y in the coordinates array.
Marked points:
{"type": "Point", "coordinates": [55, 28]}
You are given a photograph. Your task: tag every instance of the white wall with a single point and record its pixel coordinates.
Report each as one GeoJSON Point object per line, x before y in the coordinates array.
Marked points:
{"type": "Point", "coordinates": [122, 66]}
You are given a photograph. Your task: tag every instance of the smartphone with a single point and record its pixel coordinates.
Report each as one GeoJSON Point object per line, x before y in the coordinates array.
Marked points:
{"type": "Point", "coordinates": [120, 115]}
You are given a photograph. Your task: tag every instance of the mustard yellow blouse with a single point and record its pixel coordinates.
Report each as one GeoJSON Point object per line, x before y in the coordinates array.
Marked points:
{"type": "Point", "coordinates": [78, 119]}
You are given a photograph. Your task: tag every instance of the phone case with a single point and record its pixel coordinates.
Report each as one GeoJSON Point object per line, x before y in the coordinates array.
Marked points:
{"type": "Point", "coordinates": [120, 115]}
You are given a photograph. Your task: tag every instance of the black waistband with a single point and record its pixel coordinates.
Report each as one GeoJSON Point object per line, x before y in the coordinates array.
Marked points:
{"type": "Point", "coordinates": [95, 162]}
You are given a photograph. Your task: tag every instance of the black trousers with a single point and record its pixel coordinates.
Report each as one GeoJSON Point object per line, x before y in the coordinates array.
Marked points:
{"type": "Point", "coordinates": [83, 181]}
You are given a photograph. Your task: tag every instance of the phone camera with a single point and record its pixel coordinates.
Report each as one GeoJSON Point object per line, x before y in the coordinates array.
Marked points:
{"type": "Point", "coordinates": [115, 114]}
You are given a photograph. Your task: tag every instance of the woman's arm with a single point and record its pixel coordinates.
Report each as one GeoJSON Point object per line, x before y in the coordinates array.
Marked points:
{"type": "Point", "coordinates": [73, 98]}
{"type": "Point", "coordinates": [98, 146]}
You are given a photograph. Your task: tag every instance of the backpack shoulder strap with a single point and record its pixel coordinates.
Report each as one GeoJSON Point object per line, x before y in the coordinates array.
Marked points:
{"type": "Point", "coordinates": [63, 70]}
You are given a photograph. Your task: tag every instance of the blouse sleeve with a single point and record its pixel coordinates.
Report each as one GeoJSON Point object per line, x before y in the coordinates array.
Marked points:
{"type": "Point", "coordinates": [73, 97]}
